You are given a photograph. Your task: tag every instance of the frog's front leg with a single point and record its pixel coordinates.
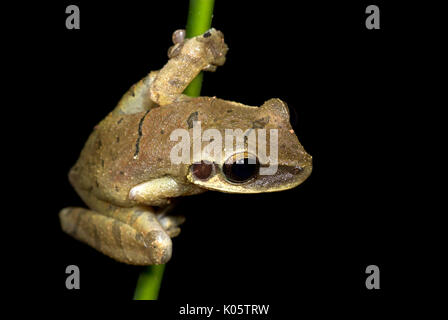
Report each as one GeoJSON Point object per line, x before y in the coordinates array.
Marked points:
{"type": "Point", "coordinates": [187, 58]}
{"type": "Point", "coordinates": [129, 235]}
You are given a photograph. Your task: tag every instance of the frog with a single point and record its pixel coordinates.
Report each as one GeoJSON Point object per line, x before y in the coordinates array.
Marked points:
{"type": "Point", "coordinates": [125, 174]}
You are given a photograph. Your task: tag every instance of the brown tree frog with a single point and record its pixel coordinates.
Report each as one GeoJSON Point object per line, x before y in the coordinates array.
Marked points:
{"type": "Point", "coordinates": [125, 173]}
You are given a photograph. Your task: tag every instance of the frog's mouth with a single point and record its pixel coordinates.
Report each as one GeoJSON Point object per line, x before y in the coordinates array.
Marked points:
{"type": "Point", "coordinates": [286, 177]}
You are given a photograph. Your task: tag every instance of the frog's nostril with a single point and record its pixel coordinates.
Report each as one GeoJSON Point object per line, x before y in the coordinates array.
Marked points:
{"type": "Point", "coordinates": [297, 170]}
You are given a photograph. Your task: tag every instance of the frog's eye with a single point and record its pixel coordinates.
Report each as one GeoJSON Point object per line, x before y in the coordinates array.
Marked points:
{"type": "Point", "coordinates": [202, 170]}
{"type": "Point", "coordinates": [240, 167]}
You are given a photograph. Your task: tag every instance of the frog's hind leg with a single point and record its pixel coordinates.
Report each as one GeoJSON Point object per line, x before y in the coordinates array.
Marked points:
{"type": "Point", "coordinates": [134, 236]}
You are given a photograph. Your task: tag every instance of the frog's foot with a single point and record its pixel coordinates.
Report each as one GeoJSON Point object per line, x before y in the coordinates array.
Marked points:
{"type": "Point", "coordinates": [188, 57]}
{"type": "Point", "coordinates": [131, 235]}
{"type": "Point", "coordinates": [210, 46]}
{"type": "Point", "coordinates": [169, 222]}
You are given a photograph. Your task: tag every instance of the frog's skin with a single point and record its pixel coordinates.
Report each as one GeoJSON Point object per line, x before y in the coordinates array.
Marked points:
{"type": "Point", "coordinates": [124, 171]}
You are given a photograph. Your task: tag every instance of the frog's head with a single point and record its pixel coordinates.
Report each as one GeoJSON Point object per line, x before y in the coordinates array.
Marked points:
{"type": "Point", "coordinates": [246, 168]}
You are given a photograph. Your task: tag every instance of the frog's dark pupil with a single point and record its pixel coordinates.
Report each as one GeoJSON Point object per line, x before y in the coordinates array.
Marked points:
{"type": "Point", "coordinates": [240, 170]}
{"type": "Point", "coordinates": [202, 170]}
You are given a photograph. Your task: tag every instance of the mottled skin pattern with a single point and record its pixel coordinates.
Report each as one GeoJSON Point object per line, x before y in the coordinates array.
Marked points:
{"type": "Point", "coordinates": [124, 171]}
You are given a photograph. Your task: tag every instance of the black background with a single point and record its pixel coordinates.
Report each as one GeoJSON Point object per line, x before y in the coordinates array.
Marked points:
{"type": "Point", "coordinates": [351, 93]}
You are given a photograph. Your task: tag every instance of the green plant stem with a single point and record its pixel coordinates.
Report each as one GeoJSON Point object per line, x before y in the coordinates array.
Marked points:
{"type": "Point", "coordinates": [199, 20]}
{"type": "Point", "coordinates": [149, 281]}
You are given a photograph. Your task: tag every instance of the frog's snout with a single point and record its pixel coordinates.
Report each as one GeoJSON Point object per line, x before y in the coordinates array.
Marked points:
{"type": "Point", "coordinates": [303, 169]}
{"type": "Point", "coordinates": [301, 172]}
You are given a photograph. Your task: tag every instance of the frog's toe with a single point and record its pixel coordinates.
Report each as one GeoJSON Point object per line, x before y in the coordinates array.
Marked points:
{"type": "Point", "coordinates": [159, 246]}
{"type": "Point", "coordinates": [171, 224]}
{"type": "Point", "coordinates": [178, 39]}
{"type": "Point", "coordinates": [215, 46]}
{"type": "Point", "coordinates": [210, 68]}
{"type": "Point", "coordinates": [178, 36]}
{"type": "Point", "coordinates": [174, 50]}
{"type": "Point", "coordinates": [173, 232]}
